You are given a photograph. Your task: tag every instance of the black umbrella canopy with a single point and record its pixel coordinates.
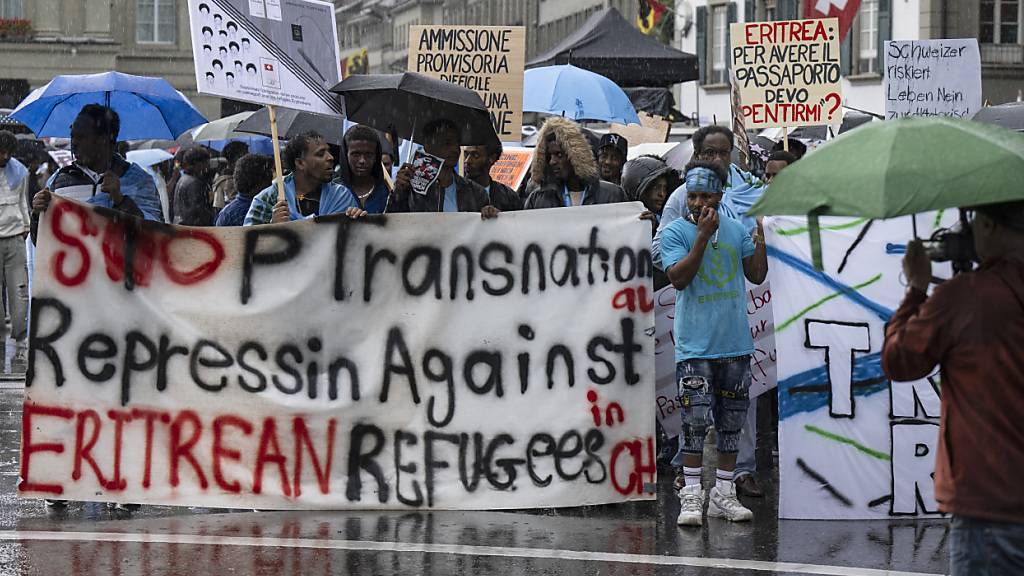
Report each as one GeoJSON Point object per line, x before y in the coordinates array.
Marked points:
{"type": "Point", "coordinates": [614, 48]}
{"type": "Point", "coordinates": [406, 103]}
{"type": "Point", "coordinates": [291, 123]}
{"type": "Point", "coordinates": [1009, 115]}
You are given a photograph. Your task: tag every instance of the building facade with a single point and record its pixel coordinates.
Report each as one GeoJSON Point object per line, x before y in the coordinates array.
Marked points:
{"type": "Point", "coordinates": [702, 28]}
{"type": "Point", "coordinates": [54, 37]}
{"type": "Point", "coordinates": [381, 27]}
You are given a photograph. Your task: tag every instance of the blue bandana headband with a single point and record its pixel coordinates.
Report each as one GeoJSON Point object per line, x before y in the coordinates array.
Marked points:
{"type": "Point", "coordinates": [703, 180]}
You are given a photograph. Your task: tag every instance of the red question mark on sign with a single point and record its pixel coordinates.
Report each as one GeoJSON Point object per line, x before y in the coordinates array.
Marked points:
{"type": "Point", "coordinates": [829, 98]}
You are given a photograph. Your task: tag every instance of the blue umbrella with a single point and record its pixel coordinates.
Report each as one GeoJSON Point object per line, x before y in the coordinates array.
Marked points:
{"type": "Point", "coordinates": [577, 94]}
{"type": "Point", "coordinates": [149, 108]}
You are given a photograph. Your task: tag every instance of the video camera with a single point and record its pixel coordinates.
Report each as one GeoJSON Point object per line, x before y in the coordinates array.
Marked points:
{"type": "Point", "coordinates": [954, 244]}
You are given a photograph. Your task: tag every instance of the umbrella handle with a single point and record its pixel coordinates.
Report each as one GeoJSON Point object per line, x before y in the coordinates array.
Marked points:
{"type": "Point", "coordinates": [409, 151]}
{"type": "Point", "coordinates": [278, 170]}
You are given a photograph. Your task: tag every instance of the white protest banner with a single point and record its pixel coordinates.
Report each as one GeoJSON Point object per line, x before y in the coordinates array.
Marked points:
{"type": "Point", "coordinates": [406, 361]}
{"type": "Point", "coordinates": [762, 361]}
{"type": "Point", "coordinates": [788, 72]}
{"type": "Point", "coordinates": [267, 51]}
{"type": "Point", "coordinates": [932, 78]}
{"type": "Point", "coordinates": [486, 59]}
{"type": "Point", "coordinates": [852, 445]}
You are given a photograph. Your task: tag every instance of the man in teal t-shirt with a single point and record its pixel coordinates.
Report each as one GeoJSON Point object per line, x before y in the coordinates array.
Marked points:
{"type": "Point", "coordinates": [706, 258]}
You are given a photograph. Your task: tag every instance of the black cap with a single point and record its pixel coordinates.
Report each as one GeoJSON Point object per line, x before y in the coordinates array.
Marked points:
{"type": "Point", "coordinates": [616, 141]}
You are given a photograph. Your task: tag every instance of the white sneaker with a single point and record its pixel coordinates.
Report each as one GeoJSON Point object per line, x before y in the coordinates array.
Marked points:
{"type": "Point", "coordinates": [724, 504]}
{"type": "Point", "coordinates": [691, 505]}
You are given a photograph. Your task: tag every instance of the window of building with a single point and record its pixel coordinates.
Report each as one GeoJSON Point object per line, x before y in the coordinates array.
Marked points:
{"type": "Point", "coordinates": [12, 9]}
{"type": "Point", "coordinates": [867, 38]}
{"type": "Point", "coordinates": [156, 21]}
{"type": "Point", "coordinates": [1000, 22]}
{"type": "Point", "coordinates": [719, 49]}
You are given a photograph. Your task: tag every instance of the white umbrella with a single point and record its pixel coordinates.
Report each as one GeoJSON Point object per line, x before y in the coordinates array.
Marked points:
{"type": "Point", "coordinates": [149, 157]}
{"type": "Point", "coordinates": [221, 129]}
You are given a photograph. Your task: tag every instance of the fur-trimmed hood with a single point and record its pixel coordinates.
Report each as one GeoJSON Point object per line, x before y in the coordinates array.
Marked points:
{"type": "Point", "coordinates": [570, 137]}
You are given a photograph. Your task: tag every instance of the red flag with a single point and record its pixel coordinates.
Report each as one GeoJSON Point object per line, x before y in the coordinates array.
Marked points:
{"type": "Point", "coordinates": [649, 14]}
{"type": "Point", "coordinates": [845, 10]}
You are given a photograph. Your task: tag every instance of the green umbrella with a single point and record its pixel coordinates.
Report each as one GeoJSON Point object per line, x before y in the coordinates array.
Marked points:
{"type": "Point", "coordinates": [898, 168]}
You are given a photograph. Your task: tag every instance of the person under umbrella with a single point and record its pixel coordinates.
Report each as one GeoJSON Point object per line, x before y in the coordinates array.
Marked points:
{"type": "Point", "coordinates": [308, 190]}
{"type": "Point", "coordinates": [192, 206]}
{"type": "Point", "coordinates": [479, 160]}
{"type": "Point", "coordinates": [99, 176]}
{"type": "Point", "coordinates": [223, 190]}
{"type": "Point", "coordinates": [252, 173]}
{"type": "Point", "coordinates": [360, 169]}
{"type": "Point", "coordinates": [450, 192]}
{"type": "Point", "coordinates": [564, 171]}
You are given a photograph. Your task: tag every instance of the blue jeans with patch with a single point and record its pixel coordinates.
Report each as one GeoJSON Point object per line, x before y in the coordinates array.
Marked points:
{"type": "Point", "coordinates": [986, 548]}
{"type": "Point", "coordinates": [712, 390]}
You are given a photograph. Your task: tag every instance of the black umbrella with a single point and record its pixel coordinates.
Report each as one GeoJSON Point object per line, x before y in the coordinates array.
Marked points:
{"type": "Point", "coordinates": [406, 103]}
{"type": "Point", "coordinates": [291, 123]}
{"type": "Point", "coordinates": [1010, 115]}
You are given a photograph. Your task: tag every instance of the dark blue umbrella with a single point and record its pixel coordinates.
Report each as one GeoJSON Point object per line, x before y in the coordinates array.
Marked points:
{"type": "Point", "coordinates": [149, 108]}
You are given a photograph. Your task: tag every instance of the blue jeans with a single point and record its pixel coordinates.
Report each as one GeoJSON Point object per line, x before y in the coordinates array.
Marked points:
{"type": "Point", "coordinates": [746, 457]}
{"type": "Point", "coordinates": [712, 390]}
{"type": "Point", "coordinates": [986, 548]}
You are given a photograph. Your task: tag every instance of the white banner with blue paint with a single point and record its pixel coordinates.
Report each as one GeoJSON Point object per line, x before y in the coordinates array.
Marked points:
{"type": "Point", "coordinates": [852, 445]}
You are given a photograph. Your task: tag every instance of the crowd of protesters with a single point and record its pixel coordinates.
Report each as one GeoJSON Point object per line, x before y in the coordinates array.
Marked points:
{"type": "Point", "coordinates": [697, 214]}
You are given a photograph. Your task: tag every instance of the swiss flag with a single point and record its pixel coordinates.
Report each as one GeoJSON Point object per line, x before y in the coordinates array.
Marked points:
{"type": "Point", "coordinates": [845, 10]}
{"type": "Point", "coordinates": [268, 67]}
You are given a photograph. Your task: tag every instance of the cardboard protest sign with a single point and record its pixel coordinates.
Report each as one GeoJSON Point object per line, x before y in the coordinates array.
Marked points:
{"type": "Point", "coordinates": [267, 51]}
{"type": "Point", "coordinates": [932, 78]}
{"type": "Point", "coordinates": [404, 361]}
{"type": "Point", "coordinates": [511, 168]}
{"type": "Point", "coordinates": [651, 130]}
{"type": "Point", "coordinates": [425, 170]}
{"type": "Point", "coordinates": [853, 445]}
{"type": "Point", "coordinates": [762, 361]}
{"type": "Point", "coordinates": [486, 59]}
{"type": "Point", "coordinates": [788, 72]}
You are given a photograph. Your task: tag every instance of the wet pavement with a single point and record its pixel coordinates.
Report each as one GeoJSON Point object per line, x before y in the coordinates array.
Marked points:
{"type": "Point", "coordinates": [642, 539]}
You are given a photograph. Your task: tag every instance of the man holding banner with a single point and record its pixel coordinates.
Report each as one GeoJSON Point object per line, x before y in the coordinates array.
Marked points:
{"type": "Point", "coordinates": [703, 254]}
{"type": "Point", "coordinates": [308, 189]}
{"type": "Point", "coordinates": [565, 172]}
{"type": "Point", "coordinates": [479, 160]}
{"type": "Point", "coordinates": [450, 192]}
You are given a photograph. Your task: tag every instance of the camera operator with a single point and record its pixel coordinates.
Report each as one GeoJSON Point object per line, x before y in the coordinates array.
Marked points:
{"type": "Point", "coordinates": [972, 326]}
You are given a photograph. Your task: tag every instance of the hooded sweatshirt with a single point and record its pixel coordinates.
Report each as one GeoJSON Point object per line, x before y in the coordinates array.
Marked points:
{"type": "Point", "coordinates": [546, 191]}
